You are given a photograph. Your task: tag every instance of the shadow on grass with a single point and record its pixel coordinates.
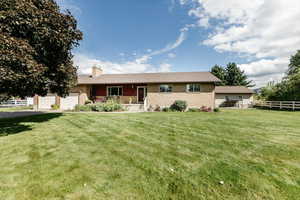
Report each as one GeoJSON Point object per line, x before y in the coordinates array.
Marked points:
{"type": "Point", "coordinates": [275, 109]}
{"type": "Point", "coordinates": [10, 126]}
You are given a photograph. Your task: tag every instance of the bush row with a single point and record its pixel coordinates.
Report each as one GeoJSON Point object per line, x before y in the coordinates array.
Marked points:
{"type": "Point", "coordinates": [108, 106]}
{"type": "Point", "coordinates": [181, 106]}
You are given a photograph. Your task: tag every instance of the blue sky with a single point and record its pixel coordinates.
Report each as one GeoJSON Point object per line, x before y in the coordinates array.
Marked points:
{"type": "Point", "coordinates": [124, 36]}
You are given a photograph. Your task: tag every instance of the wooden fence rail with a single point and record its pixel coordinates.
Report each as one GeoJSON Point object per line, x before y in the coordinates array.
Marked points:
{"type": "Point", "coordinates": [293, 105]}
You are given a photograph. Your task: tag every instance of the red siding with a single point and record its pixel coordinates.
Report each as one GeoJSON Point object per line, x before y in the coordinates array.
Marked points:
{"type": "Point", "coordinates": [128, 89]}
{"type": "Point", "coordinates": [100, 90]}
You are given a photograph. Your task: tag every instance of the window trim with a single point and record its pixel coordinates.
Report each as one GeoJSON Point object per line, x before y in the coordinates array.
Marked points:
{"type": "Point", "coordinates": [187, 88]}
{"type": "Point", "coordinates": [119, 87]}
{"type": "Point", "coordinates": [169, 85]}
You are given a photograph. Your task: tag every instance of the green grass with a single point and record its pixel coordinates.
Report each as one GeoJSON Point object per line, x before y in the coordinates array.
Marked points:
{"type": "Point", "coordinates": [18, 108]}
{"type": "Point", "coordinates": [151, 156]}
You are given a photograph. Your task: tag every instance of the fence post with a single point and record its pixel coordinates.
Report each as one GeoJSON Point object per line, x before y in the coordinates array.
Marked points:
{"type": "Point", "coordinates": [270, 104]}
{"type": "Point", "coordinates": [280, 105]}
{"type": "Point", "coordinates": [293, 105]}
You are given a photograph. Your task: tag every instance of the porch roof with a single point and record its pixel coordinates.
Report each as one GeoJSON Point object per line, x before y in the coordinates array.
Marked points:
{"type": "Point", "coordinates": [165, 77]}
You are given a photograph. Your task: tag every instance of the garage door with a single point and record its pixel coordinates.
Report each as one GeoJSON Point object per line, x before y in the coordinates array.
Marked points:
{"type": "Point", "coordinates": [46, 102]}
{"type": "Point", "coordinates": [69, 102]}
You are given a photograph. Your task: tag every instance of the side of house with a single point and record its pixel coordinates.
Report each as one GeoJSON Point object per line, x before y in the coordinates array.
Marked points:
{"type": "Point", "coordinates": [195, 94]}
{"type": "Point", "coordinates": [233, 96]}
{"type": "Point", "coordinates": [152, 89]}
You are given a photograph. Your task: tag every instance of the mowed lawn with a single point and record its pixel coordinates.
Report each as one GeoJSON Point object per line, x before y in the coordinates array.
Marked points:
{"type": "Point", "coordinates": [151, 156]}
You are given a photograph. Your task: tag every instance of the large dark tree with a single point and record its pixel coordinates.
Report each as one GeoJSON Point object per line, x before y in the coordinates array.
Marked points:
{"type": "Point", "coordinates": [219, 72]}
{"type": "Point", "coordinates": [231, 75]}
{"type": "Point", "coordinates": [294, 65]}
{"type": "Point", "coordinates": [36, 40]}
{"type": "Point", "coordinates": [236, 77]}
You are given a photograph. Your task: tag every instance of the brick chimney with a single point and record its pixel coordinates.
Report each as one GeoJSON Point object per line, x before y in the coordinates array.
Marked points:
{"type": "Point", "coordinates": [96, 71]}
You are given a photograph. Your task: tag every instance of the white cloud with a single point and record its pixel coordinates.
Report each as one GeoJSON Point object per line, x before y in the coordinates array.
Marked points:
{"type": "Point", "coordinates": [182, 2]}
{"type": "Point", "coordinates": [165, 67]}
{"type": "Point", "coordinates": [265, 70]}
{"type": "Point", "coordinates": [261, 81]}
{"type": "Point", "coordinates": [139, 65]}
{"type": "Point", "coordinates": [145, 58]}
{"type": "Point", "coordinates": [171, 55]}
{"type": "Point", "coordinates": [85, 62]}
{"type": "Point", "coordinates": [265, 67]}
{"type": "Point", "coordinates": [267, 30]}
{"type": "Point", "coordinates": [170, 47]}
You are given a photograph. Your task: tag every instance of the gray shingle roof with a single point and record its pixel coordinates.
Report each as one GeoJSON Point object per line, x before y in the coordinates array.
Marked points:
{"type": "Point", "coordinates": [233, 90]}
{"type": "Point", "coordinates": [165, 77]}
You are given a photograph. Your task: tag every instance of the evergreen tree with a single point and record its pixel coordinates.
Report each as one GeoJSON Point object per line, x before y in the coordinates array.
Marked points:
{"type": "Point", "coordinates": [231, 75]}
{"type": "Point", "coordinates": [220, 73]}
{"type": "Point", "coordinates": [236, 77]}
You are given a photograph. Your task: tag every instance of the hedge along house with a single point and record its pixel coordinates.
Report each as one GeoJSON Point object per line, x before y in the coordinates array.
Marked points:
{"type": "Point", "coordinates": [150, 90]}
{"type": "Point", "coordinates": [234, 96]}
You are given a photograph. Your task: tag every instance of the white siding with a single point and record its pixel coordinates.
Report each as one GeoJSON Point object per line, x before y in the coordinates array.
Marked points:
{"type": "Point", "coordinates": [46, 102]}
{"type": "Point", "coordinates": [247, 99]}
{"type": "Point", "coordinates": [69, 102]}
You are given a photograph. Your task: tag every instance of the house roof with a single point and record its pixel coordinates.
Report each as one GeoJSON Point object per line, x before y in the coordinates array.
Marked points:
{"type": "Point", "coordinates": [165, 77]}
{"type": "Point", "coordinates": [233, 90]}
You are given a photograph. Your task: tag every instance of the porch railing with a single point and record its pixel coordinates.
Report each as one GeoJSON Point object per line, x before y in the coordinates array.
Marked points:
{"type": "Point", "coordinates": [145, 103]}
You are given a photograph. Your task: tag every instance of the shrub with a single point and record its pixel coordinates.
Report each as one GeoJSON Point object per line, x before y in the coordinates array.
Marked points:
{"type": "Point", "coordinates": [108, 106]}
{"type": "Point", "coordinates": [83, 108]}
{"type": "Point", "coordinates": [111, 105]}
{"type": "Point", "coordinates": [194, 110]}
{"type": "Point", "coordinates": [88, 102]}
{"type": "Point", "coordinates": [54, 107]}
{"type": "Point", "coordinates": [97, 107]}
{"type": "Point", "coordinates": [157, 108]}
{"type": "Point", "coordinates": [216, 109]}
{"type": "Point", "coordinates": [166, 109]}
{"type": "Point", "coordinates": [205, 109]}
{"type": "Point", "coordinates": [179, 105]}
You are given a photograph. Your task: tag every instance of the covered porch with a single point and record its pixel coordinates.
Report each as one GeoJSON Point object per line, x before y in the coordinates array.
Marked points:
{"type": "Point", "coordinates": [123, 93]}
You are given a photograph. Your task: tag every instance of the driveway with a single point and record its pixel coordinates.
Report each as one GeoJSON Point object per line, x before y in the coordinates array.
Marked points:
{"type": "Point", "coordinates": [18, 114]}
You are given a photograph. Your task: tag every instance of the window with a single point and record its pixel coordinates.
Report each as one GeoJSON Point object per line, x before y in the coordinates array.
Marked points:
{"type": "Point", "coordinates": [115, 91]}
{"type": "Point", "coordinates": [165, 88]}
{"type": "Point", "coordinates": [193, 87]}
{"type": "Point", "coordinates": [241, 98]}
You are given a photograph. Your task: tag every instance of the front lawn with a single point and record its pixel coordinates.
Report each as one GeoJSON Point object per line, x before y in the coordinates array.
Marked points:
{"type": "Point", "coordinates": [256, 153]}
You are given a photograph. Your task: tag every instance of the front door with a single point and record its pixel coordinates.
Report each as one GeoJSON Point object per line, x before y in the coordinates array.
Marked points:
{"type": "Point", "coordinates": [141, 94]}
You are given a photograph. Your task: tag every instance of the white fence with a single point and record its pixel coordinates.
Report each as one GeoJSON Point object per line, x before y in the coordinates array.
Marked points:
{"type": "Point", "coordinates": [293, 105]}
{"type": "Point", "coordinates": [15, 102]}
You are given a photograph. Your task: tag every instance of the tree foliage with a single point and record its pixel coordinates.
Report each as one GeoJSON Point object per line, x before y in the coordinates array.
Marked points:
{"type": "Point", "coordinates": [219, 72]}
{"type": "Point", "coordinates": [231, 75]}
{"type": "Point", "coordinates": [294, 65]}
{"type": "Point", "coordinates": [36, 40]}
{"type": "Point", "coordinates": [289, 88]}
